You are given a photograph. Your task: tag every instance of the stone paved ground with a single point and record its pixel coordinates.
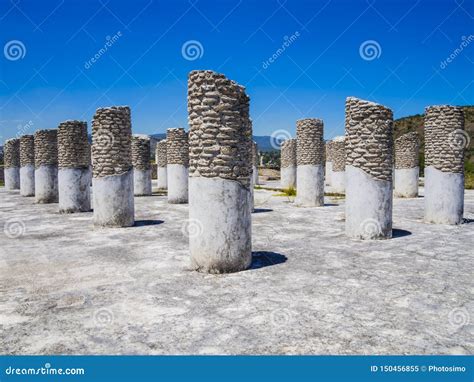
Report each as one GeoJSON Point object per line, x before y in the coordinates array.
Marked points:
{"type": "Point", "coordinates": [68, 288]}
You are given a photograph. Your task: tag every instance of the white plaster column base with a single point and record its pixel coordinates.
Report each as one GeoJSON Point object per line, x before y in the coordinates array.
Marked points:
{"type": "Point", "coordinates": [310, 181]}
{"type": "Point", "coordinates": [220, 232]}
{"type": "Point", "coordinates": [406, 182]}
{"type": "Point", "coordinates": [74, 190]}
{"type": "Point", "coordinates": [161, 174]}
{"type": "Point", "coordinates": [255, 175]}
{"type": "Point", "coordinates": [328, 173]}
{"type": "Point", "coordinates": [27, 180]}
{"type": "Point", "coordinates": [288, 177]}
{"type": "Point", "coordinates": [368, 206]}
{"type": "Point", "coordinates": [444, 196]}
{"type": "Point", "coordinates": [113, 200]}
{"type": "Point", "coordinates": [177, 183]}
{"type": "Point", "coordinates": [12, 178]}
{"type": "Point", "coordinates": [141, 182]}
{"type": "Point", "coordinates": [338, 182]}
{"type": "Point", "coordinates": [46, 184]}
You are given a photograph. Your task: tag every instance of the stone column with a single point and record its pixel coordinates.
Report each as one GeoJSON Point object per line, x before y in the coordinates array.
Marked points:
{"type": "Point", "coordinates": [141, 165]}
{"type": "Point", "coordinates": [74, 172]}
{"type": "Point", "coordinates": [177, 158]}
{"type": "Point", "coordinates": [338, 173]}
{"type": "Point", "coordinates": [112, 181]}
{"type": "Point", "coordinates": [255, 163]}
{"type": "Point", "coordinates": [407, 168]}
{"type": "Point", "coordinates": [27, 165]}
{"type": "Point", "coordinates": [12, 164]}
{"type": "Point", "coordinates": [369, 161]}
{"type": "Point", "coordinates": [310, 167]}
{"type": "Point", "coordinates": [161, 164]}
{"type": "Point", "coordinates": [288, 164]}
{"type": "Point", "coordinates": [220, 173]}
{"type": "Point", "coordinates": [46, 166]}
{"type": "Point", "coordinates": [328, 162]}
{"type": "Point", "coordinates": [445, 141]}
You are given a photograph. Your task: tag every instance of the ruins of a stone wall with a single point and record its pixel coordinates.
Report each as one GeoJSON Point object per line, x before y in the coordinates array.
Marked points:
{"type": "Point", "coordinates": [161, 153]}
{"type": "Point", "coordinates": [73, 145]}
{"type": "Point", "coordinates": [177, 146]}
{"type": "Point", "coordinates": [441, 149]}
{"type": "Point", "coordinates": [407, 149]}
{"type": "Point", "coordinates": [111, 141]}
{"type": "Point", "coordinates": [27, 150]}
{"type": "Point", "coordinates": [338, 154]}
{"type": "Point", "coordinates": [369, 140]}
{"type": "Point", "coordinates": [288, 153]}
{"type": "Point", "coordinates": [220, 128]}
{"type": "Point", "coordinates": [310, 143]}
{"type": "Point", "coordinates": [46, 148]}
{"type": "Point", "coordinates": [12, 153]}
{"type": "Point", "coordinates": [141, 153]}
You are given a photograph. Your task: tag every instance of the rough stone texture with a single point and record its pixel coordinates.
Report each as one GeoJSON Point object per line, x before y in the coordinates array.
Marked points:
{"type": "Point", "coordinates": [407, 148]}
{"type": "Point", "coordinates": [27, 150]}
{"type": "Point", "coordinates": [161, 153]}
{"type": "Point", "coordinates": [310, 143]}
{"type": "Point", "coordinates": [111, 141]}
{"type": "Point", "coordinates": [69, 289]}
{"type": "Point", "coordinates": [369, 138]}
{"type": "Point", "coordinates": [327, 151]}
{"type": "Point", "coordinates": [177, 146]}
{"type": "Point", "coordinates": [12, 153]}
{"type": "Point", "coordinates": [220, 128]}
{"type": "Point", "coordinates": [73, 145]}
{"type": "Point", "coordinates": [46, 148]}
{"type": "Point", "coordinates": [444, 138]}
{"type": "Point", "coordinates": [288, 153]}
{"type": "Point", "coordinates": [338, 154]}
{"type": "Point", "coordinates": [141, 153]}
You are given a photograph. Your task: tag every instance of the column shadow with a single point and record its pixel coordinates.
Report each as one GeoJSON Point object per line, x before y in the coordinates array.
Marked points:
{"type": "Point", "coordinates": [263, 259]}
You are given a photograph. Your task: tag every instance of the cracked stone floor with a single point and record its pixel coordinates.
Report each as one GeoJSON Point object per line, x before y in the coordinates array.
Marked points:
{"type": "Point", "coordinates": [66, 288]}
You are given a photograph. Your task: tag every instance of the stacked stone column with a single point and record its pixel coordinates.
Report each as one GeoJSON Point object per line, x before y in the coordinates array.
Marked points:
{"type": "Point", "coordinates": [288, 164]}
{"type": "Point", "coordinates": [27, 165]}
{"type": "Point", "coordinates": [46, 166]}
{"type": "Point", "coordinates": [141, 165]}
{"type": "Point", "coordinates": [338, 173]}
{"type": "Point", "coordinates": [310, 163]}
{"type": "Point", "coordinates": [445, 141]}
{"type": "Point", "coordinates": [112, 167]}
{"type": "Point", "coordinates": [328, 162]}
{"type": "Point", "coordinates": [74, 167]}
{"type": "Point", "coordinates": [220, 173]}
{"type": "Point", "coordinates": [369, 164]}
{"type": "Point", "coordinates": [407, 170]}
{"type": "Point", "coordinates": [177, 158]}
{"type": "Point", "coordinates": [12, 164]}
{"type": "Point", "coordinates": [161, 165]}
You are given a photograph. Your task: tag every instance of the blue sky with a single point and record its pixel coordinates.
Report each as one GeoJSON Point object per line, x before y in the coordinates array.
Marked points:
{"type": "Point", "coordinates": [50, 77]}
